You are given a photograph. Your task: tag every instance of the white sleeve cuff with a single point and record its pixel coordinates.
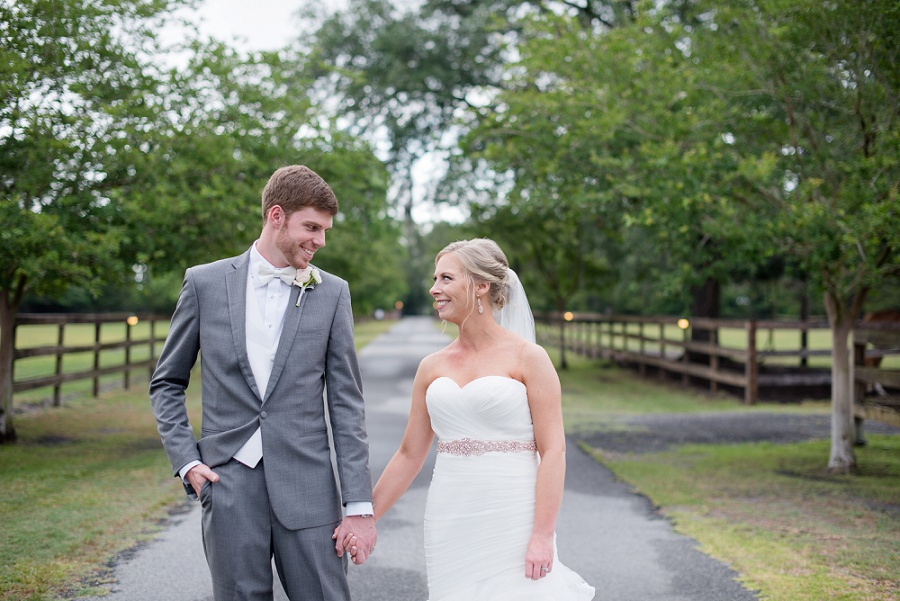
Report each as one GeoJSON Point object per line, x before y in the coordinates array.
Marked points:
{"type": "Point", "coordinates": [360, 508]}
{"type": "Point", "coordinates": [187, 467]}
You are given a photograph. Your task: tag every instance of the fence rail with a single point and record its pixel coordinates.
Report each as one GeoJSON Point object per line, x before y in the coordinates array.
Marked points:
{"type": "Point", "coordinates": [695, 350]}
{"type": "Point", "coordinates": [61, 320]}
{"type": "Point", "coordinates": [871, 342]}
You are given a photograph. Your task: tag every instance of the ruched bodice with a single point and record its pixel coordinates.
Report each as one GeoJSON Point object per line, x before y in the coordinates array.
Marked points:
{"type": "Point", "coordinates": [487, 408]}
{"type": "Point", "coordinates": [480, 508]}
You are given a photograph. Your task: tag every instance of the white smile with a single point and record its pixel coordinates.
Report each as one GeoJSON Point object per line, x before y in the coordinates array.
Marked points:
{"type": "Point", "coordinates": [309, 253]}
{"type": "Point", "coordinates": [441, 303]}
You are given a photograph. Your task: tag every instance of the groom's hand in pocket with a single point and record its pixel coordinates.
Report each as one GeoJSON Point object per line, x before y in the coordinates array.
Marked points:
{"type": "Point", "coordinates": [356, 535]}
{"type": "Point", "coordinates": [199, 474]}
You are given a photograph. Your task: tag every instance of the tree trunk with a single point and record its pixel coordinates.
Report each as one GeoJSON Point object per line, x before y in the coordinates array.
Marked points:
{"type": "Point", "coordinates": [706, 301]}
{"type": "Point", "coordinates": [9, 308]}
{"type": "Point", "coordinates": [843, 433]}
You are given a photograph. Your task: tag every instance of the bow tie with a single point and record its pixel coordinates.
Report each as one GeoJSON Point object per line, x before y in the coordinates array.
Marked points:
{"type": "Point", "coordinates": [285, 274]}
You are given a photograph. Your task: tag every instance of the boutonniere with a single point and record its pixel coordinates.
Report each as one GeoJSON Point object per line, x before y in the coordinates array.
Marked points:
{"type": "Point", "coordinates": [306, 278]}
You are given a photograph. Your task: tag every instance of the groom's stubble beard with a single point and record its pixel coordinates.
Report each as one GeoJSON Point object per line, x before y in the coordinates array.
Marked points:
{"type": "Point", "coordinates": [289, 249]}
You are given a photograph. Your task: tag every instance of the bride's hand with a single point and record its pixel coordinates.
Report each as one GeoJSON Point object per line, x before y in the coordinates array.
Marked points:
{"type": "Point", "coordinates": [355, 535]}
{"type": "Point", "coordinates": [539, 556]}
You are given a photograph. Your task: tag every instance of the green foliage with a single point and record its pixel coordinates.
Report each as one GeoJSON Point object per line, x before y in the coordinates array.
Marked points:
{"type": "Point", "coordinates": [403, 71]}
{"type": "Point", "coordinates": [72, 94]}
{"type": "Point", "coordinates": [612, 120]}
{"type": "Point", "coordinates": [364, 245]}
{"type": "Point", "coordinates": [812, 90]}
{"type": "Point", "coordinates": [742, 142]}
{"type": "Point", "coordinates": [155, 293]}
{"type": "Point", "coordinates": [126, 162]}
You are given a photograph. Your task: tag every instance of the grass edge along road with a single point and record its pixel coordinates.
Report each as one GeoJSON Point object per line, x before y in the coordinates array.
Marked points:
{"type": "Point", "coordinates": [768, 510]}
{"type": "Point", "coordinates": [84, 482]}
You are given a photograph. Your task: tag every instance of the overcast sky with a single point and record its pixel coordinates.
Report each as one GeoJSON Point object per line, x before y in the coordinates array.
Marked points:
{"type": "Point", "coordinates": [260, 24]}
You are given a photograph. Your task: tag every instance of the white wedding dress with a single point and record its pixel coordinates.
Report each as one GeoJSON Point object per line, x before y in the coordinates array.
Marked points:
{"type": "Point", "coordinates": [480, 509]}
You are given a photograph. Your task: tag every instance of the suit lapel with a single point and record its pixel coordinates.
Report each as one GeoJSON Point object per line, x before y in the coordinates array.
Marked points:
{"type": "Point", "coordinates": [236, 287]}
{"type": "Point", "coordinates": [288, 334]}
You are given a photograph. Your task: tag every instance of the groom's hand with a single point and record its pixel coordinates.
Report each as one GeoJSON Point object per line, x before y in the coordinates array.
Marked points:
{"type": "Point", "coordinates": [356, 535]}
{"type": "Point", "coordinates": [199, 474]}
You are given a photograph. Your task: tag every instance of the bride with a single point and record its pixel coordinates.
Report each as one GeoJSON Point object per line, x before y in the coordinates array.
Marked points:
{"type": "Point", "coordinates": [492, 397]}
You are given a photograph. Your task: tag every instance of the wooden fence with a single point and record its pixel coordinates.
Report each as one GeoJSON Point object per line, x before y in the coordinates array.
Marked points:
{"type": "Point", "coordinates": [649, 342]}
{"type": "Point", "coordinates": [871, 343]}
{"type": "Point", "coordinates": [59, 350]}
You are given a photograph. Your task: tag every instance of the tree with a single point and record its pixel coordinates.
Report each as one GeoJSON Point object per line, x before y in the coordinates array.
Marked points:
{"type": "Point", "coordinates": [420, 77]}
{"type": "Point", "coordinates": [74, 94]}
{"type": "Point", "coordinates": [110, 159]}
{"type": "Point", "coordinates": [614, 122]}
{"type": "Point", "coordinates": [817, 84]}
{"type": "Point", "coordinates": [364, 247]}
{"type": "Point", "coordinates": [552, 244]}
{"type": "Point", "coordinates": [734, 136]}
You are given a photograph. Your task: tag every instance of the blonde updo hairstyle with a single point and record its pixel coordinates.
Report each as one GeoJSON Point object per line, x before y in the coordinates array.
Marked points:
{"type": "Point", "coordinates": [484, 262]}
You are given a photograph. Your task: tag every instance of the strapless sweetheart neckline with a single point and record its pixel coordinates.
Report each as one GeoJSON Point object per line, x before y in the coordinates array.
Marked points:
{"type": "Point", "coordinates": [472, 381]}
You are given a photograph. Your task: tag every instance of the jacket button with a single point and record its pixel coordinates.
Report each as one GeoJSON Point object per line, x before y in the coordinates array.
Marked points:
{"type": "Point", "coordinates": [263, 415]}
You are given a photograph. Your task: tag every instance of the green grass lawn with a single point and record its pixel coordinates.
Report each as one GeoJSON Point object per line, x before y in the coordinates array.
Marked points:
{"type": "Point", "coordinates": [84, 482]}
{"type": "Point", "coordinates": [770, 511]}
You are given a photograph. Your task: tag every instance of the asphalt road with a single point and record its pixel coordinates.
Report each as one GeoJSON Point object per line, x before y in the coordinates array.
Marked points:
{"type": "Point", "coordinates": [612, 537]}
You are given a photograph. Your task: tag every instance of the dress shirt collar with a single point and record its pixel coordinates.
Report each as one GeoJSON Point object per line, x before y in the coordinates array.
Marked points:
{"type": "Point", "coordinates": [256, 259]}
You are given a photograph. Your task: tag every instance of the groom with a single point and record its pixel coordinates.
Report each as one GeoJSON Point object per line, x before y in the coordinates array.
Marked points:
{"type": "Point", "coordinates": [271, 332]}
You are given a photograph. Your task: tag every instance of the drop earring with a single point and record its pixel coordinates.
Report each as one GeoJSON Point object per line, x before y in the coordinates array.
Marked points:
{"type": "Point", "coordinates": [480, 308]}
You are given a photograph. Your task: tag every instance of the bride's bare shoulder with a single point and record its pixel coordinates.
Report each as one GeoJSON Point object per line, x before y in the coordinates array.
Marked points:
{"type": "Point", "coordinates": [430, 365]}
{"type": "Point", "coordinates": [533, 355]}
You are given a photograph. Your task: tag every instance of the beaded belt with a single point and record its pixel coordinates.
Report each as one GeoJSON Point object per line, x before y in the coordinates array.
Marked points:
{"type": "Point", "coordinates": [467, 446]}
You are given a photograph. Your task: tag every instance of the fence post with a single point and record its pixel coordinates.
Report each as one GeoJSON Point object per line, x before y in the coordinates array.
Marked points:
{"type": "Point", "coordinates": [127, 372]}
{"type": "Point", "coordinates": [714, 360]}
{"type": "Point", "coordinates": [804, 345]}
{"type": "Point", "coordinates": [643, 365]}
{"type": "Point", "coordinates": [153, 344]}
{"type": "Point", "coordinates": [859, 391]}
{"type": "Point", "coordinates": [662, 349]}
{"type": "Point", "coordinates": [685, 358]}
{"type": "Point", "coordinates": [96, 387]}
{"type": "Point", "coordinates": [57, 388]}
{"type": "Point", "coordinates": [751, 368]}
{"type": "Point", "coordinates": [612, 340]}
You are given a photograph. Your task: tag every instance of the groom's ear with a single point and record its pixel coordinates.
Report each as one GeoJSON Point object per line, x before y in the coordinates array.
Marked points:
{"type": "Point", "coordinates": [276, 215]}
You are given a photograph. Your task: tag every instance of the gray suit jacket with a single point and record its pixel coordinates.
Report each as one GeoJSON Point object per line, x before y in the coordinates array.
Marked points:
{"type": "Point", "coordinates": [316, 346]}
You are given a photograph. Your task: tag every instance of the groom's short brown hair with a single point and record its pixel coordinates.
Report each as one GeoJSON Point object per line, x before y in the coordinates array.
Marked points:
{"type": "Point", "coordinates": [295, 187]}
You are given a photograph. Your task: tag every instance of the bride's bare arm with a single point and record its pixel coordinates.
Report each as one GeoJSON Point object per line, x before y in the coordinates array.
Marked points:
{"type": "Point", "coordinates": [545, 401]}
{"type": "Point", "coordinates": [407, 461]}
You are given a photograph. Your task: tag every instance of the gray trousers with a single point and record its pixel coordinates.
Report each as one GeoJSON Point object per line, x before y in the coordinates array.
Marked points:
{"type": "Point", "coordinates": [241, 535]}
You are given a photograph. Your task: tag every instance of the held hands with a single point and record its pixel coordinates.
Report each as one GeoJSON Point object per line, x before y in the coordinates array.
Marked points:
{"type": "Point", "coordinates": [356, 535]}
{"type": "Point", "coordinates": [539, 556]}
{"type": "Point", "coordinates": [199, 474]}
